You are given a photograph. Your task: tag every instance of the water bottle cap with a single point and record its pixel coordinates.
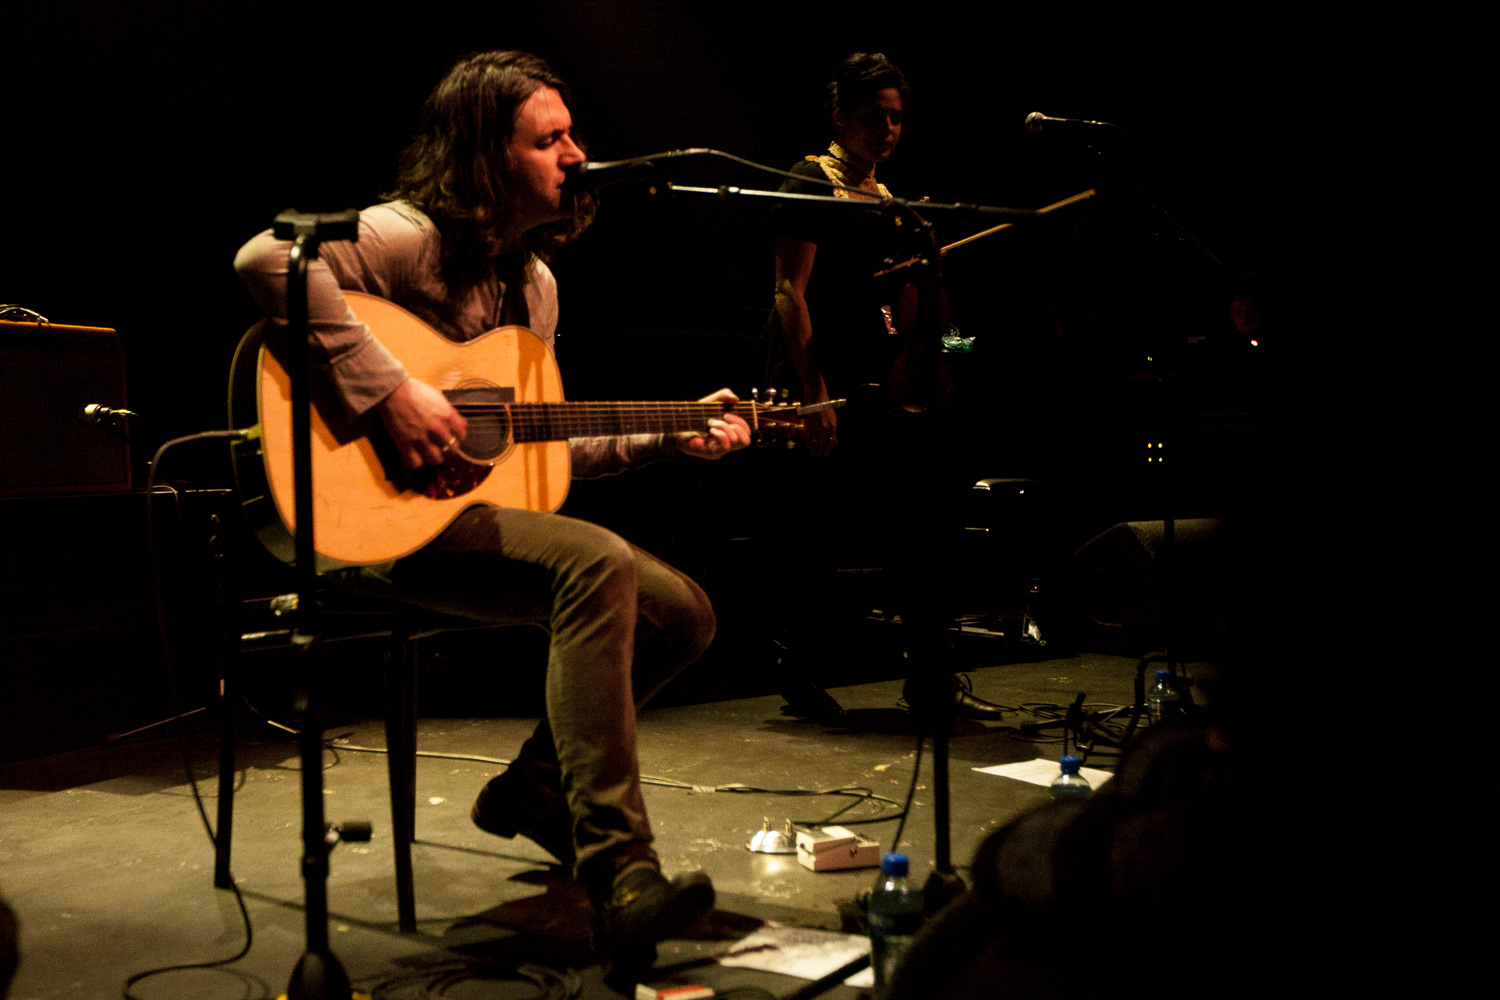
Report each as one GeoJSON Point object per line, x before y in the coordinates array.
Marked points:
{"type": "Point", "coordinates": [1070, 764]}
{"type": "Point", "coordinates": [1162, 675]}
{"type": "Point", "coordinates": [894, 864]}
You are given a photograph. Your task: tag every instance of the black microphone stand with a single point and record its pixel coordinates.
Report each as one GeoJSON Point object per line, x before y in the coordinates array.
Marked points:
{"type": "Point", "coordinates": [318, 974]}
{"type": "Point", "coordinates": [918, 396]}
{"type": "Point", "coordinates": [1166, 494]}
{"type": "Point", "coordinates": [929, 642]}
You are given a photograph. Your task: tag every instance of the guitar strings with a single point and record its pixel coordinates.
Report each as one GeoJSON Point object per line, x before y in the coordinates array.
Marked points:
{"type": "Point", "coordinates": [563, 419]}
{"type": "Point", "coordinates": [610, 407]}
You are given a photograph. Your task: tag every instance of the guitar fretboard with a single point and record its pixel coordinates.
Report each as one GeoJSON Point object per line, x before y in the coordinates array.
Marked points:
{"type": "Point", "coordinates": [562, 420]}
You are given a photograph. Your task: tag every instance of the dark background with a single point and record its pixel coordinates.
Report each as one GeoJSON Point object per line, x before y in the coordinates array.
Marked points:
{"type": "Point", "coordinates": [146, 142]}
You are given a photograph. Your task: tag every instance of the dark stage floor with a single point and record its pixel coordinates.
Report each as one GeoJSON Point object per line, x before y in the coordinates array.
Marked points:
{"type": "Point", "coordinates": [107, 866]}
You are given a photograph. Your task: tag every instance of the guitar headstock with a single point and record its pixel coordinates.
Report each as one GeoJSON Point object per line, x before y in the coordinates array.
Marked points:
{"type": "Point", "coordinates": [781, 423]}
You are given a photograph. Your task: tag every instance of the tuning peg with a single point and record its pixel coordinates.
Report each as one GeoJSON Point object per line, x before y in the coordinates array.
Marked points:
{"type": "Point", "coordinates": [755, 395]}
{"type": "Point", "coordinates": [786, 394]}
{"type": "Point", "coordinates": [770, 396]}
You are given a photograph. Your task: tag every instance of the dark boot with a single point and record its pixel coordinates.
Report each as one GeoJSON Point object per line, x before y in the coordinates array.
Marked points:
{"type": "Point", "coordinates": [641, 908]}
{"type": "Point", "coordinates": [527, 799]}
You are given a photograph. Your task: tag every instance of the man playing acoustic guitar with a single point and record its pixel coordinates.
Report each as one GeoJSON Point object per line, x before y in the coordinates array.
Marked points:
{"type": "Point", "coordinates": [478, 207]}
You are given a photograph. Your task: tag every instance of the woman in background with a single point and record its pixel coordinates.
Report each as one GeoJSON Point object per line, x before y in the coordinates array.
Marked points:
{"type": "Point", "coordinates": [828, 307]}
{"type": "Point", "coordinates": [859, 507]}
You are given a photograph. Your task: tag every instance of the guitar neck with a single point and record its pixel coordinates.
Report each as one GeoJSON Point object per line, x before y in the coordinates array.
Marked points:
{"type": "Point", "coordinates": [561, 420]}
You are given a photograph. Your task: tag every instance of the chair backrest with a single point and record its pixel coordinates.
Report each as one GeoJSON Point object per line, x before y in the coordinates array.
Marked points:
{"type": "Point", "coordinates": [257, 506]}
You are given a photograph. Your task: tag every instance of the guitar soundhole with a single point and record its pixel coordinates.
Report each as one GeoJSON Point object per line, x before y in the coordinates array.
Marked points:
{"type": "Point", "coordinates": [487, 418]}
{"type": "Point", "coordinates": [487, 437]}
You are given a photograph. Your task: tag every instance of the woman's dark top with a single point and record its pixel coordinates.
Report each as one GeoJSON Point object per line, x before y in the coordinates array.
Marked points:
{"type": "Point", "coordinates": [851, 341]}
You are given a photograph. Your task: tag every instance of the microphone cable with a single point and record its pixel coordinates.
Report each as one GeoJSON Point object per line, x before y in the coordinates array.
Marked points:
{"type": "Point", "coordinates": [164, 638]}
{"type": "Point", "coordinates": [860, 794]}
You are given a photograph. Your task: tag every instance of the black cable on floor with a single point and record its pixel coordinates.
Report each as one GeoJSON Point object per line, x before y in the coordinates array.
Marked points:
{"type": "Point", "coordinates": [860, 794]}
{"type": "Point", "coordinates": [436, 980]}
{"type": "Point", "coordinates": [165, 639]}
{"type": "Point", "coordinates": [1106, 724]}
{"type": "Point", "coordinates": [867, 796]}
{"type": "Point", "coordinates": [554, 985]}
{"type": "Point", "coordinates": [911, 791]}
{"type": "Point", "coordinates": [1044, 711]}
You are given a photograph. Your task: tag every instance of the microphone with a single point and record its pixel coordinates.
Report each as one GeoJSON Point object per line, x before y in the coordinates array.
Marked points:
{"type": "Point", "coordinates": [591, 175]}
{"type": "Point", "coordinates": [1036, 122]}
{"type": "Point", "coordinates": [99, 413]}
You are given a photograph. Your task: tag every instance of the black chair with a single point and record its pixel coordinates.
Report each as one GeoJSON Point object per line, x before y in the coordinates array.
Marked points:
{"type": "Point", "coordinates": [346, 618]}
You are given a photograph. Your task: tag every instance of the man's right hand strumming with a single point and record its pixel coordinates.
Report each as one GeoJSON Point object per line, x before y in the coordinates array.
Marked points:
{"type": "Point", "coordinates": [422, 423]}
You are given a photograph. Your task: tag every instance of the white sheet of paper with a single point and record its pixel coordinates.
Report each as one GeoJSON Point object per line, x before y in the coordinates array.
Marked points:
{"type": "Point", "coordinates": [1042, 770]}
{"type": "Point", "coordinates": [801, 952]}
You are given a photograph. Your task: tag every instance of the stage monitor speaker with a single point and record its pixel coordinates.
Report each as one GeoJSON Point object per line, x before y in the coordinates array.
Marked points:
{"type": "Point", "coordinates": [1119, 579]}
{"type": "Point", "coordinates": [48, 374]}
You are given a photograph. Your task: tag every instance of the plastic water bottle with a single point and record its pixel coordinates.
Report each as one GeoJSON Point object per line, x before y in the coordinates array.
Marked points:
{"type": "Point", "coordinates": [1070, 784]}
{"type": "Point", "coordinates": [895, 917]}
{"type": "Point", "coordinates": [1164, 700]}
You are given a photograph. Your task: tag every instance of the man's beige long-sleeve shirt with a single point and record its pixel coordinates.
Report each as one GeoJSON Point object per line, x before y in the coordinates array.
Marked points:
{"type": "Point", "coordinates": [397, 257]}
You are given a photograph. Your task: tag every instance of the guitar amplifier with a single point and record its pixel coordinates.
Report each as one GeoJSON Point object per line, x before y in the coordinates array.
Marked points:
{"type": "Point", "coordinates": [48, 374]}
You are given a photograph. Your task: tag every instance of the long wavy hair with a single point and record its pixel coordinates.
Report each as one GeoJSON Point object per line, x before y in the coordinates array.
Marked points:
{"type": "Point", "coordinates": [459, 170]}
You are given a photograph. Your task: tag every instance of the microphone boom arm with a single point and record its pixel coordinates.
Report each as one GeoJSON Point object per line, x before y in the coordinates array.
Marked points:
{"type": "Point", "coordinates": [1070, 200]}
{"type": "Point", "coordinates": [865, 203]}
{"type": "Point", "coordinates": [623, 170]}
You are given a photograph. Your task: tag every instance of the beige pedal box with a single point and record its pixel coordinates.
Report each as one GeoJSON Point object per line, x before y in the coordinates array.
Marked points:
{"type": "Point", "coordinates": [835, 847]}
{"type": "Point", "coordinates": [644, 992]}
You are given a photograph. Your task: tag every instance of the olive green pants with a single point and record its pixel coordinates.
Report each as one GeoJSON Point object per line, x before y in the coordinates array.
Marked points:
{"type": "Point", "coordinates": [623, 624]}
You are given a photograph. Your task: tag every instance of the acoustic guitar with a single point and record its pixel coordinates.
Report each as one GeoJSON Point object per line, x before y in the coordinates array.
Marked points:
{"type": "Point", "coordinates": [368, 509]}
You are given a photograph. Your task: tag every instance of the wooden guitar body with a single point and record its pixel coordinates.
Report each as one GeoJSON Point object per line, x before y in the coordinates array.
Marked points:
{"type": "Point", "coordinates": [365, 511]}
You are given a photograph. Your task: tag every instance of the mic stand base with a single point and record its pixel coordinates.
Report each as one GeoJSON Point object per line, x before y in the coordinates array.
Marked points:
{"type": "Point", "coordinates": [944, 884]}
{"type": "Point", "coordinates": [319, 976]}
{"type": "Point", "coordinates": [940, 889]}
